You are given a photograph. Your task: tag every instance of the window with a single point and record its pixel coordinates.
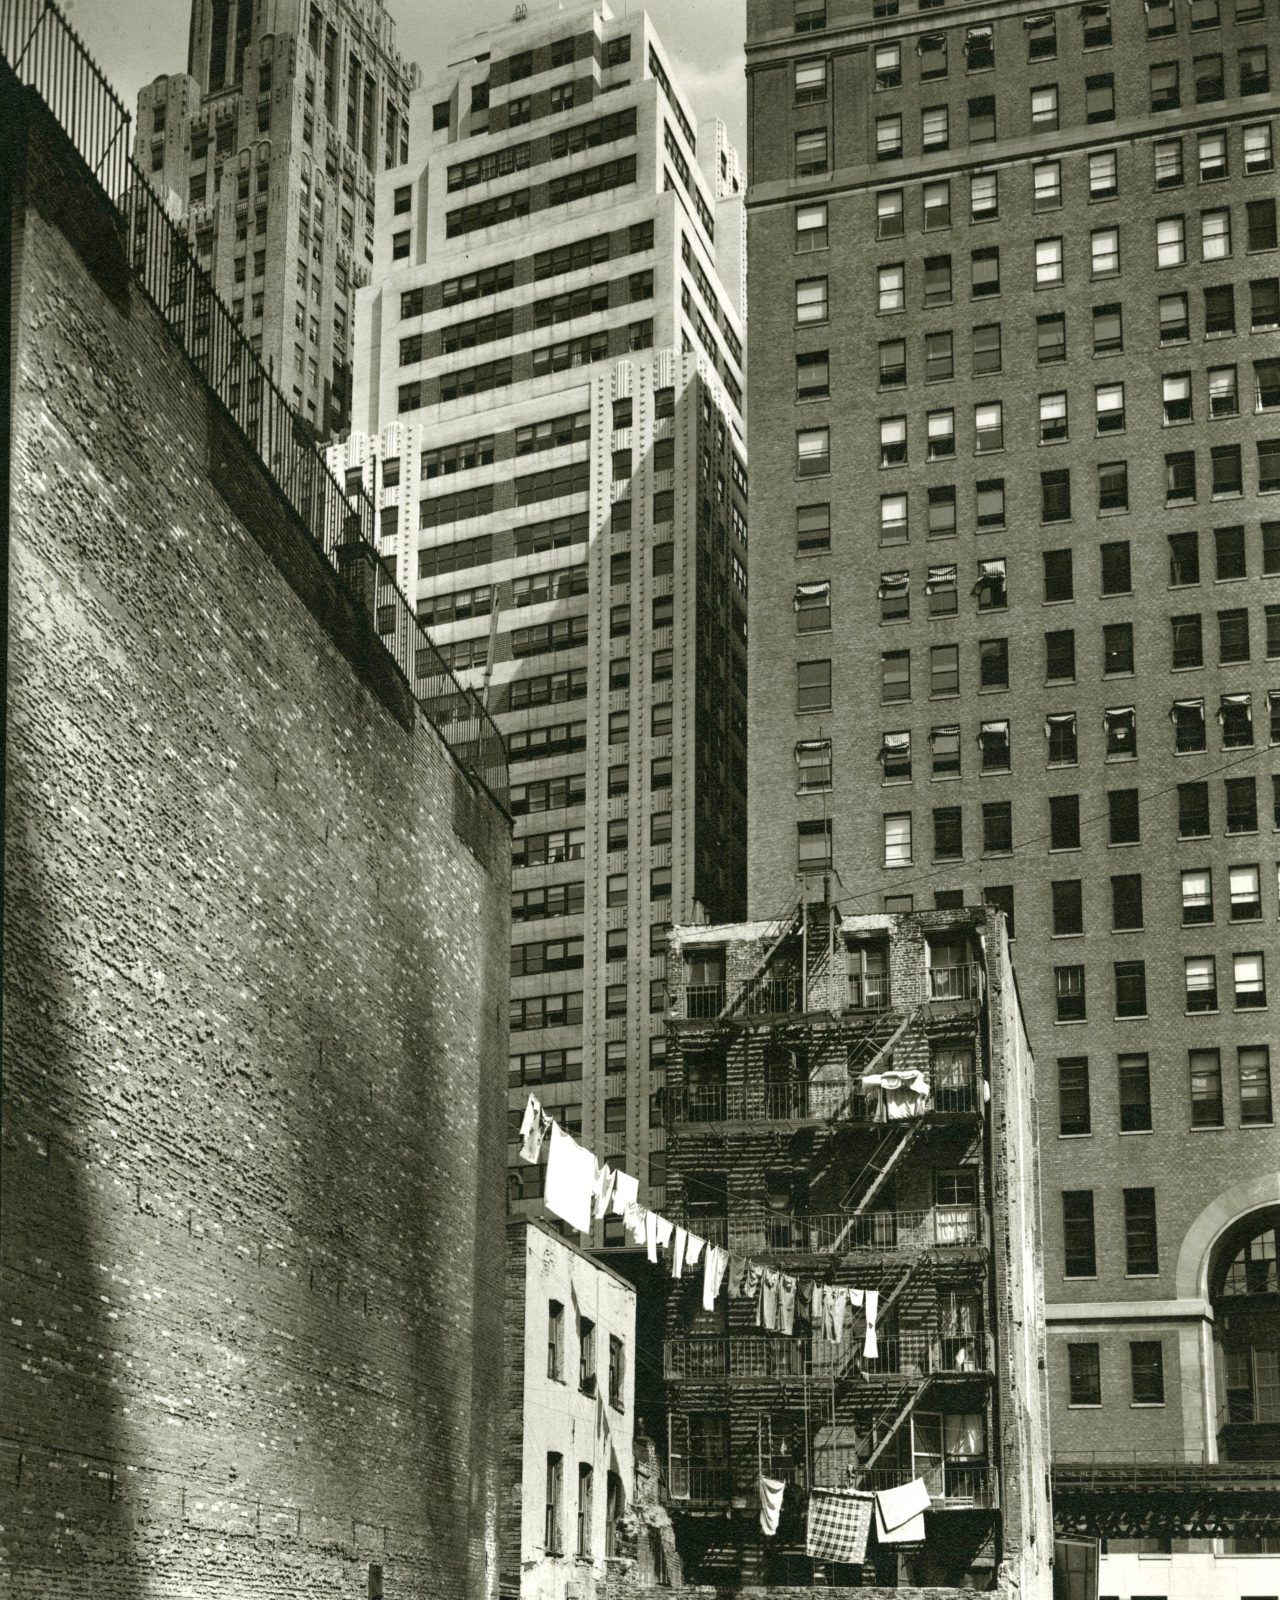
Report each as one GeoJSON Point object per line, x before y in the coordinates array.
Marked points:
{"type": "Point", "coordinates": [1044, 108]}
{"type": "Point", "coordinates": [810, 152]}
{"type": "Point", "coordinates": [1104, 252]}
{"type": "Point", "coordinates": [555, 1341]}
{"type": "Point", "coordinates": [895, 596]}
{"type": "Point", "coordinates": [813, 452]}
{"type": "Point", "coordinates": [1215, 235]}
{"type": "Point", "coordinates": [937, 205]}
{"type": "Point", "coordinates": [895, 676]}
{"type": "Point", "coordinates": [893, 519]}
{"type": "Point", "coordinates": [1268, 465]}
{"type": "Point", "coordinates": [1051, 338]}
{"type": "Point", "coordinates": [1264, 304]}
{"type": "Point", "coordinates": [813, 845]}
{"type": "Point", "coordinates": [1193, 810]}
{"type": "Point", "coordinates": [1233, 636]}
{"type": "Point", "coordinates": [1069, 993]}
{"type": "Point", "coordinates": [1126, 902]}
{"type": "Point", "coordinates": [888, 66]}
{"type": "Point", "coordinates": [986, 349]}
{"type": "Point", "coordinates": [889, 137]}
{"type": "Point", "coordinates": [941, 435]}
{"type": "Point", "coordinates": [1249, 979]}
{"type": "Point", "coordinates": [1179, 478]}
{"type": "Point", "coordinates": [1197, 896]}
{"type": "Point", "coordinates": [1060, 656]}
{"type": "Point", "coordinates": [891, 288]}
{"type": "Point", "coordinates": [1135, 1094]}
{"type": "Point", "coordinates": [1171, 242]}
{"type": "Point", "coordinates": [1184, 559]}
{"type": "Point", "coordinates": [1167, 155]}
{"type": "Point", "coordinates": [1224, 397]}
{"type": "Point", "coordinates": [1108, 332]}
{"type": "Point", "coordinates": [1053, 417]}
{"type": "Point", "coordinates": [813, 607]}
{"type": "Point", "coordinates": [1046, 186]}
{"type": "Point", "coordinates": [1103, 175]}
{"type": "Point", "coordinates": [1200, 983]}
{"type": "Point", "coordinates": [1241, 796]}
{"type": "Point", "coordinates": [984, 196]}
{"type": "Point", "coordinates": [1079, 1258]}
{"type": "Point", "coordinates": [1059, 583]}
{"type": "Point", "coordinates": [982, 119]}
{"type": "Point", "coordinates": [1120, 731]}
{"type": "Point", "coordinates": [985, 266]}
{"type": "Point", "coordinates": [944, 670]}
{"type": "Point", "coordinates": [1064, 822]}
{"type": "Point", "coordinates": [1208, 78]}
{"type": "Point", "coordinates": [893, 363]}
{"type": "Point", "coordinates": [617, 1370]}
{"type": "Point", "coordinates": [889, 217]}
{"type": "Point", "coordinates": [813, 375]}
{"type": "Point", "coordinates": [813, 765]}
{"type": "Point", "coordinates": [1258, 148]}
{"type": "Point", "coordinates": [1048, 262]}
{"type": "Point", "coordinates": [932, 50]}
{"type": "Point", "coordinates": [1067, 898]}
{"type": "Point", "coordinates": [1130, 979]}
{"type": "Point", "coordinates": [1235, 714]}
{"type": "Point", "coordinates": [948, 838]}
{"type": "Point", "coordinates": [945, 745]}
{"type": "Point", "coordinates": [897, 839]}
{"type": "Point", "coordinates": [1117, 649]}
{"type": "Point", "coordinates": [813, 529]}
{"type": "Point", "coordinates": [1146, 1372]}
{"type": "Point", "coordinates": [811, 81]}
{"type": "Point", "coordinates": [893, 441]}
{"type": "Point", "coordinates": [1176, 397]}
{"type": "Point", "coordinates": [810, 16]}
{"type": "Point", "coordinates": [1084, 1381]}
{"type": "Point", "coordinates": [1141, 1253]}
{"type": "Point", "coordinates": [1055, 495]}
{"type": "Point", "coordinates": [811, 300]}
{"type": "Point", "coordinates": [1254, 1065]}
{"type": "Point", "coordinates": [811, 228]}
{"type": "Point", "coordinates": [1246, 894]}
{"type": "Point", "coordinates": [1188, 643]}
{"type": "Point", "coordinates": [988, 427]}
{"type": "Point", "coordinates": [1042, 36]}
{"type": "Point", "coordinates": [937, 280]}
{"type": "Point", "coordinates": [1060, 729]}
{"type": "Point", "coordinates": [813, 686]}
{"type": "Point", "coordinates": [993, 663]}
{"type": "Point", "coordinates": [1099, 97]}
{"type": "Point", "coordinates": [942, 512]}
{"type": "Point", "coordinates": [1255, 75]}
{"type": "Point", "coordinates": [993, 742]}
{"type": "Point", "coordinates": [555, 1494]}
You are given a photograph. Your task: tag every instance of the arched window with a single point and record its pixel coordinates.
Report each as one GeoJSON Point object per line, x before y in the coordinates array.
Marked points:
{"type": "Point", "coordinates": [1244, 1290]}
{"type": "Point", "coordinates": [1252, 1270]}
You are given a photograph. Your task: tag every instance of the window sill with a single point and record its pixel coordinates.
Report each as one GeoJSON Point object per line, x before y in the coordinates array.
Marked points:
{"type": "Point", "coordinates": [1084, 1405]}
{"type": "Point", "coordinates": [1113, 511]}
{"type": "Point", "coordinates": [1135, 1133]}
{"type": "Point", "coordinates": [1075, 1136]}
{"type": "Point", "coordinates": [1245, 1126]}
{"type": "Point", "coordinates": [1078, 934]}
{"type": "Point", "coordinates": [1207, 1127]}
{"type": "Point", "coordinates": [1131, 1016]}
{"type": "Point", "coordinates": [1071, 1022]}
{"type": "Point", "coordinates": [1146, 1405]}
{"type": "Point", "coordinates": [1130, 1276]}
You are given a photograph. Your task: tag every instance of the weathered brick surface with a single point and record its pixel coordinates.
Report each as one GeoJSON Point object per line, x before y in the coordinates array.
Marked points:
{"type": "Point", "coordinates": [256, 933]}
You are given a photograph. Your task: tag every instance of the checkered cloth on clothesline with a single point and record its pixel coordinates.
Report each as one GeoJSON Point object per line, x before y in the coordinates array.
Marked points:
{"type": "Point", "coordinates": [839, 1521]}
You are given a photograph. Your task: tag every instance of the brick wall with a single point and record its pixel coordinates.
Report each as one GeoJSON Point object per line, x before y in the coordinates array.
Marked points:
{"type": "Point", "coordinates": [256, 932]}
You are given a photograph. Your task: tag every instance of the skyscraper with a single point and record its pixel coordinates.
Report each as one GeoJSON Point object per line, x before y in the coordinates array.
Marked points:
{"type": "Point", "coordinates": [1015, 396]}
{"type": "Point", "coordinates": [267, 147]}
{"type": "Point", "coordinates": [548, 392]}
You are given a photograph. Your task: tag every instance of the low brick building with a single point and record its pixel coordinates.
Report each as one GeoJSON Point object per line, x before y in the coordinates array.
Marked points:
{"type": "Point", "coordinates": [786, 1146]}
{"type": "Point", "coordinates": [567, 1464]}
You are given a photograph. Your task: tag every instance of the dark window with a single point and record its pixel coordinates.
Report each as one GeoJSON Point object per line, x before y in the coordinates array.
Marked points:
{"type": "Point", "coordinates": [997, 827]}
{"type": "Point", "coordinates": [1117, 648]}
{"type": "Point", "coordinates": [1068, 911]}
{"type": "Point", "coordinates": [1064, 822]}
{"type": "Point", "coordinates": [1141, 1253]}
{"type": "Point", "coordinates": [1084, 1377]}
{"type": "Point", "coordinates": [1193, 810]}
{"type": "Point", "coordinates": [1242, 804]}
{"type": "Point", "coordinates": [1146, 1372]}
{"type": "Point", "coordinates": [1135, 1093]}
{"type": "Point", "coordinates": [1123, 816]}
{"type": "Point", "coordinates": [1069, 989]}
{"type": "Point", "coordinates": [1060, 655]}
{"type": "Point", "coordinates": [948, 839]}
{"type": "Point", "coordinates": [1184, 559]}
{"type": "Point", "coordinates": [1131, 988]}
{"type": "Point", "coordinates": [1079, 1258]}
{"type": "Point", "coordinates": [1055, 495]}
{"type": "Point", "coordinates": [1126, 901]}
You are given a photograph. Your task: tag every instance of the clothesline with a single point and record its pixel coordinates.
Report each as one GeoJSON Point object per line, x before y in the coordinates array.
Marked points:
{"type": "Point", "coordinates": [579, 1190]}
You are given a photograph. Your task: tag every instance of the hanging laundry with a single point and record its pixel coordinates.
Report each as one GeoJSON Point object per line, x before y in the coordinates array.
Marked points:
{"type": "Point", "coordinates": [571, 1172]}
{"type": "Point", "coordinates": [737, 1271]}
{"type": "Point", "coordinates": [767, 1305]}
{"type": "Point", "coordinates": [771, 1492]}
{"type": "Point", "coordinates": [533, 1130]}
{"type": "Point", "coordinates": [896, 1095]}
{"type": "Point", "coordinates": [786, 1304]}
{"type": "Point", "coordinates": [713, 1265]}
{"type": "Point", "coordinates": [751, 1276]}
{"type": "Point", "coordinates": [677, 1255]}
{"type": "Point", "coordinates": [817, 1303]}
{"type": "Point", "coordinates": [804, 1303]}
{"type": "Point", "coordinates": [625, 1190]}
{"type": "Point", "coordinates": [855, 1298]}
{"type": "Point", "coordinates": [665, 1231]}
{"type": "Point", "coordinates": [602, 1192]}
{"type": "Point", "coordinates": [871, 1304]}
{"type": "Point", "coordinates": [651, 1221]}
{"type": "Point", "coordinates": [834, 1303]}
{"type": "Point", "coordinates": [838, 1523]}
{"type": "Point", "coordinates": [900, 1513]}
{"type": "Point", "coordinates": [693, 1250]}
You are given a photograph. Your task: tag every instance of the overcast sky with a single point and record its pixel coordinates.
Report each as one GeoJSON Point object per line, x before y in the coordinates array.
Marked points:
{"type": "Point", "coordinates": [137, 40]}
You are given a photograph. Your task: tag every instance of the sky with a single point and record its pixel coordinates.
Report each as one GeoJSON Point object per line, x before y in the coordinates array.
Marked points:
{"type": "Point", "coordinates": [135, 41]}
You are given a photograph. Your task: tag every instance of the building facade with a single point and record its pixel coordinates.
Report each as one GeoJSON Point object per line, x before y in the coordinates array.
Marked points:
{"type": "Point", "coordinates": [548, 404]}
{"type": "Point", "coordinates": [266, 148]}
{"type": "Point", "coordinates": [568, 1470]}
{"type": "Point", "coordinates": [783, 1145]}
{"type": "Point", "coordinates": [1014, 388]}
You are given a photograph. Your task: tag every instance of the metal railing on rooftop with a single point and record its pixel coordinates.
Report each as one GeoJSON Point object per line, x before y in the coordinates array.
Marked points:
{"type": "Point", "coordinates": [47, 57]}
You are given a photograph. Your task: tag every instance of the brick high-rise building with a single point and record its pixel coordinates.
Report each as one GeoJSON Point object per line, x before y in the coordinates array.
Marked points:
{"type": "Point", "coordinates": [267, 148]}
{"type": "Point", "coordinates": [1015, 395]}
{"type": "Point", "coordinates": [548, 391]}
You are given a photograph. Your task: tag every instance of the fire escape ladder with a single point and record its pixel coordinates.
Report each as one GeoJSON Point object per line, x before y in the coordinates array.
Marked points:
{"type": "Point", "coordinates": [782, 928]}
{"type": "Point", "coordinates": [897, 1139]}
{"type": "Point", "coordinates": [899, 1408]}
{"type": "Point", "coordinates": [870, 1050]}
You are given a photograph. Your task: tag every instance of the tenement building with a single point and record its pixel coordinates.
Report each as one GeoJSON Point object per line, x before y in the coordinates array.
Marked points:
{"type": "Point", "coordinates": [1016, 393]}
{"type": "Point", "coordinates": [851, 1115]}
{"type": "Point", "coordinates": [548, 406]}
{"type": "Point", "coordinates": [265, 150]}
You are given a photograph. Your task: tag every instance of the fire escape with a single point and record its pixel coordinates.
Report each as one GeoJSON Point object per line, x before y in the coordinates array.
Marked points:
{"type": "Point", "coordinates": [777, 1059]}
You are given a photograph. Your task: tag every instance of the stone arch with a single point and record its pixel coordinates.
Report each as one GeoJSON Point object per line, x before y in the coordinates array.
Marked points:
{"type": "Point", "coordinates": [1191, 1275]}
